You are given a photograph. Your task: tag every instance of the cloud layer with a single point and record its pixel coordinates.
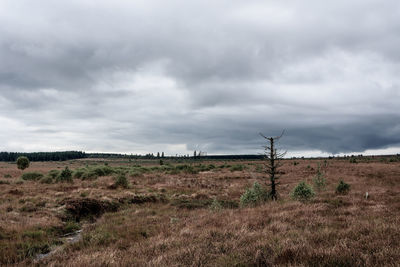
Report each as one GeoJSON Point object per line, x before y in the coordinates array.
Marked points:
{"type": "Point", "coordinates": [147, 76]}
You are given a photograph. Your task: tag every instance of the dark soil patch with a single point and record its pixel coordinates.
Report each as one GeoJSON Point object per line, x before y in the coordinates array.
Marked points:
{"type": "Point", "coordinates": [88, 208]}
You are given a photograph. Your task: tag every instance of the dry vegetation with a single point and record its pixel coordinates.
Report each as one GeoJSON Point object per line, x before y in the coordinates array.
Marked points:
{"type": "Point", "coordinates": [164, 217]}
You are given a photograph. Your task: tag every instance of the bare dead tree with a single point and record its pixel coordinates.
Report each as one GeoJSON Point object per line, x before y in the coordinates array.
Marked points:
{"type": "Point", "coordinates": [273, 162]}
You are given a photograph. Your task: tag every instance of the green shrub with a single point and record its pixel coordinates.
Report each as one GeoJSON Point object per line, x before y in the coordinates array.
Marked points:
{"type": "Point", "coordinates": [302, 192]}
{"type": "Point", "coordinates": [187, 169]}
{"type": "Point", "coordinates": [4, 182]}
{"type": "Point", "coordinates": [319, 180]}
{"type": "Point", "coordinates": [85, 174]}
{"type": "Point", "coordinates": [65, 176]}
{"type": "Point", "coordinates": [101, 170]}
{"type": "Point", "coordinates": [22, 162]}
{"type": "Point", "coordinates": [121, 180]}
{"type": "Point", "coordinates": [254, 195]}
{"type": "Point", "coordinates": [7, 176]}
{"type": "Point", "coordinates": [78, 173]}
{"type": "Point", "coordinates": [342, 188]}
{"type": "Point", "coordinates": [53, 174]}
{"type": "Point", "coordinates": [34, 176]}
{"type": "Point", "coordinates": [50, 177]}
{"type": "Point", "coordinates": [353, 160]}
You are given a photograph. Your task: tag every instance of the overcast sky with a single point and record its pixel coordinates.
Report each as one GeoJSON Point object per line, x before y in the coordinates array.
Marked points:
{"type": "Point", "coordinates": [177, 76]}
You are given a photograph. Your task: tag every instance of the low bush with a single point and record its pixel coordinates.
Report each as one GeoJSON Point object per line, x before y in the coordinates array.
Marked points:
{"type": "Point", "coordinates": [254, 195]}
{"type": "Point", "coordinates": [353, 160]}
{"type": "Point", "coordinates": [121, 181]}
{"type": "Point", "coordinates": [65, 176]}
{"type": "Point", "coordinates": [53, 174]}
{"type": "Point", "coordinates": [78, 173]}
{"type": "Point", "coordinates": [89, 175]}
{"type": "Point", "coordinates": [135, 173]}
{"type": "Point", "coordinates": [47, 180]}
{"type": "Point", "coordinates": [342, 188]}
{"type": "Point", "coordinates": [34, 176]}
{"type": "Point", "coordinates": [103, 170]}
{"type": "Point", "coordinates": [319, 180]}
{"type": "Point", "coordinates": [237, 167]}
{"type": "Point", "coordinates": [302, 192]}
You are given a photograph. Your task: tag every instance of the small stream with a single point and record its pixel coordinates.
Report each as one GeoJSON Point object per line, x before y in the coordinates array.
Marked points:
{"type": "Point", "coordinates": [70, 238]}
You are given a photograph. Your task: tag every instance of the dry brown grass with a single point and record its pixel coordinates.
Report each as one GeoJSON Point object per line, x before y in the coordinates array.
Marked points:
{"type": "Point", "coordinates": [330, 230]}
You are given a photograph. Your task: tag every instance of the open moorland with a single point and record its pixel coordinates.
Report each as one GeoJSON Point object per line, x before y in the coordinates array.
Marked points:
{"type": "Point", "coordinates": [187, 213]}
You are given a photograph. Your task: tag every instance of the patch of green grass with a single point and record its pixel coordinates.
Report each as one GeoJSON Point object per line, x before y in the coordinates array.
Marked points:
{"type": "Point", "coordinates": [342, 188]}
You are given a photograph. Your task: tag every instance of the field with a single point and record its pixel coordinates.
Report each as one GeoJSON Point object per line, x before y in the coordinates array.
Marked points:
{"type": "Point", "coordinates": [187, 213]}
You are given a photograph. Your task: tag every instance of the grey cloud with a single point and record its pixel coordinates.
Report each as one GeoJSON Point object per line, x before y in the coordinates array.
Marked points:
{"type": "Point", "coordinates": [136, 76]}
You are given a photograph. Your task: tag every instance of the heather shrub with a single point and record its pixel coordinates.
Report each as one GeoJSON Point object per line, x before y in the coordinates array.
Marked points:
{"type": "Point", "coordinates": [342, 188]}
{"type": "Point", "coordinates": [302, 192]}
{"type": "Point", "coordinates": [254, 195]}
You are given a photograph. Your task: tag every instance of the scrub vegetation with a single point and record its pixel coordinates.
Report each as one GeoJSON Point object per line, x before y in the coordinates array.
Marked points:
{"type": "Point", "coordinates": [111, 212]}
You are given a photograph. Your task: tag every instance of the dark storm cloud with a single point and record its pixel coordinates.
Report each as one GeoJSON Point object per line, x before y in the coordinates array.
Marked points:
{"type": "Point", "coordinates": [149, 75]}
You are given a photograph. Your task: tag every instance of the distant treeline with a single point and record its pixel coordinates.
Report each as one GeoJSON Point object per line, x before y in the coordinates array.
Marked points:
{"type": "Point", "coordinates": [159, 156]}
{"type": "Point", "coordinates": [68, 155]}
{"type": "Point", "coordinates": [43, 156]}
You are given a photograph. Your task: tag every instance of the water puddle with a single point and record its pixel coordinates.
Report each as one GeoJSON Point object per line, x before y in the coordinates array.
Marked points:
{"type": "Point", "coordinates": [67, 239]}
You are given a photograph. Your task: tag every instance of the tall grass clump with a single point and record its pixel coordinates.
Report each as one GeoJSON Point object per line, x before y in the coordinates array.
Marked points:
{"type": "Point", "coordinates": [342, 188]}
{"type": "Point", "coordinates": [302, 192]}
{"type": "Point", "coordinates": [215, 206]}
{"type": "Point", "coordinates": [254, 195]}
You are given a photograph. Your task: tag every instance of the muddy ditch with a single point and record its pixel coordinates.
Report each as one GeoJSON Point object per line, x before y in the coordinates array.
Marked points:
{"type": "Point", "coordinates": [88, 210]}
